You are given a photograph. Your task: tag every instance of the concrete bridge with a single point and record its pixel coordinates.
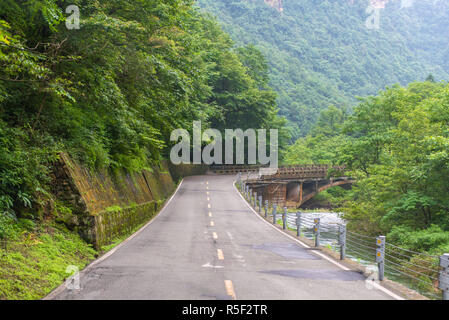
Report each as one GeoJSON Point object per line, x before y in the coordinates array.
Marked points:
{"type": "Point", "coordinates": [290, 186]}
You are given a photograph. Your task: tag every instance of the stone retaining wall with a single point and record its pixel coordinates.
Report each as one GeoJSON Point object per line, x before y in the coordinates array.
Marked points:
{"type": "Point", "coordinates": [105, 205]}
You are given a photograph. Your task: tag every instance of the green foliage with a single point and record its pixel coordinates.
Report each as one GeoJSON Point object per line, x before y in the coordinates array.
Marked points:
{"type": "Point", "coordinates": [23, 168]}
{"type": "Point", "coordinates": [433, 239]}
{"type": "Point", "coordinates": [37, 258]}
{"type": "Point", "coordinates": [323, 143]}
{"type": "Point", "coordinates": [396, 146]}
{"type": "Point", "coordinates": [320, 53]}
{"type": "Point", "coordinates": [112, 92]}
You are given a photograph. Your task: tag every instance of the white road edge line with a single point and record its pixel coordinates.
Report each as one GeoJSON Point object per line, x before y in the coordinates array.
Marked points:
{"type": "Point", "coordinates": [59, 289]}
{"type": "Point", "coordinates": [374, 284]}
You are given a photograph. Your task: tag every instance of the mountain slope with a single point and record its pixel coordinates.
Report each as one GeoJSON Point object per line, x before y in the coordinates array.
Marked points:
{"type": "Point", "coordinates": [322, 53]}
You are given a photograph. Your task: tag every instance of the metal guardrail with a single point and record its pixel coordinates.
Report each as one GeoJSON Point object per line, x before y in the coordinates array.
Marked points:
{"type": "Point", "coordinates": [427, 274]}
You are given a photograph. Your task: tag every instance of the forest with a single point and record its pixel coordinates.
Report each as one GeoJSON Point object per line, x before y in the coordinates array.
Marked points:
{"type": "Point", "coordinates": [111, 93]}
{"type": "Point", "coordinates": [396, 145]}
{"type": "Point", "coordinates": [321, 53]}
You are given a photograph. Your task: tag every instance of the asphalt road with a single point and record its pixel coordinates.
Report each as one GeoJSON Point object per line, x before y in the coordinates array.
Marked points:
{"type": "Point", "coordinates": [208, 244]}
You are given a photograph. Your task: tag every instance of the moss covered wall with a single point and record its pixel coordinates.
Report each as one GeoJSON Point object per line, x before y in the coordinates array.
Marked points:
{"type": "Point", "coordinates": [185, 170]}
{"type": "Point", "coordinates": [107, 205]}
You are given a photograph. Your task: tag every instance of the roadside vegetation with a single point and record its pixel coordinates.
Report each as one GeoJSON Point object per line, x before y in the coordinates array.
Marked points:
{"type": "Point", "coordinates": [109, 94]}
{"type": "Point", "coordinates": [34, 259]}
{"type": "Point", "coordinates": [396, 145]}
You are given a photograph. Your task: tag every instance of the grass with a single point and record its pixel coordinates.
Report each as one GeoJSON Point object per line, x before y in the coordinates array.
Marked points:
{"type": "Point", "coordinates": [36, 259]}
{"type": "Point", "coordinates": [38, 254]}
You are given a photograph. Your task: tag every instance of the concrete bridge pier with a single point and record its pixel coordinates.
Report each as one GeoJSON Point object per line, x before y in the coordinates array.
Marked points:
{"type": "Point", "coordinates": [295, 193]}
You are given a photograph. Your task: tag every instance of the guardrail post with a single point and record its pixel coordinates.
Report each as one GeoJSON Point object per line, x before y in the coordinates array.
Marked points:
{"type": "Point", "coordinates": [317, 232]}
{"type": "Point", "coordinates": [380, 256]}
{"type": "Point", "coordinates": [266, 209]}
{"type": "Point", "coordinates": [274, 213]}
{"type": "Point", "coordinates": [255, 200]}
{"type": "Point", "coordinates": [342, 240]}
{"type": "Point", "coordinates": [260, 204]}
{"type": "Point", "coordinates": [284, 219]}
{"type": "Point", "coordinates": [443, 283]}
{"type": "Point", "coordinates": [239, 181]}
{"type": "Point", "coordinates": [298, 223]}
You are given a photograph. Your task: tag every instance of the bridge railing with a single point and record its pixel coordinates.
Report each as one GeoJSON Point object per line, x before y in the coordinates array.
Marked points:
{"type": "Point", "coordinates": [304, 171]}
{"type": "Point", "coordinates": [422, 272]}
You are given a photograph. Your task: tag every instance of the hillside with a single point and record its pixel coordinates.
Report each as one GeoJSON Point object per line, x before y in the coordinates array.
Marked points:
{"type": "Point", "coordinates": [322, 53]}
{"type": "Point", "coordinates": [109, 94]}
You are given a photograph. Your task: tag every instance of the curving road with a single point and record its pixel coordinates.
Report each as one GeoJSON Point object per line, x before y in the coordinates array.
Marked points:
{"type": "Point", "coordinates": [208, 244]}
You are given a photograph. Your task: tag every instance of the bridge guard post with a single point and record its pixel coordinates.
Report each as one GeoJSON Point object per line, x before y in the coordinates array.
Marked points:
{"type": "Point", "coordinates": [284, 219]}
{"type": "Point", "coordinates": [298, 223]}
{"type": "Point", "coordinates": [443, 282]}
{"type": "Point", "coordinates": [342, 241]}
{"type": "Point", "coordinates": [317, 232]}
{"type": "Point", "coordinates": [274, 213]}
{"type": "Point", "coordinates": [266, 209]}
{"type": "Point", "coordinates": [380, 256]}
